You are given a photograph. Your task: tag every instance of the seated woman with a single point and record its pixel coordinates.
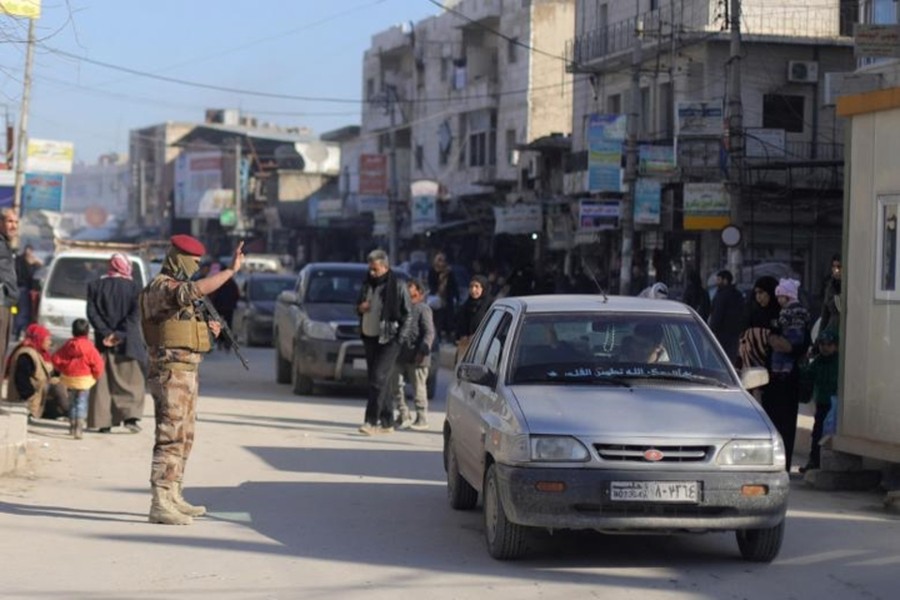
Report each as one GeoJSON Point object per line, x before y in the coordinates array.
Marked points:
{"type": "Point", "coordinates": [31, 379]}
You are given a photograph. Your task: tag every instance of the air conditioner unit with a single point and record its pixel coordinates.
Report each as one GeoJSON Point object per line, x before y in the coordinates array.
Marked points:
{"type": "Point", "coordinates": [803, 71]}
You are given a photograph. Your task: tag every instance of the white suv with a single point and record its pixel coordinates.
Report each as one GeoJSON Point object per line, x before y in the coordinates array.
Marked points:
{"type": "Point", "coordinates": [64, 292]}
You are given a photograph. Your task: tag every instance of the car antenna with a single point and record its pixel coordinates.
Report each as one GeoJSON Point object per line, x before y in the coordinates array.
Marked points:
{"type": "Point", "coordinates": [590, 272]}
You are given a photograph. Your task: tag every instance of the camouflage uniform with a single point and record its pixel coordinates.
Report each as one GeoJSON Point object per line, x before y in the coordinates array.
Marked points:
{"type": "Point", "coordinates": [172, 380]}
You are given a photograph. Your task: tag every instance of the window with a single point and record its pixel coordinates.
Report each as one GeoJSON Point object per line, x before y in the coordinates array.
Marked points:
{"type": "Point", "coordinates": [478, 350]}
{"type": "Point", "coordinates": [512, 50]}
{"type": "Point", "coordinates": [614, 104]}
{"type": "Point", "coordinates": [783, 112]}
{"type": "Point", "coordinates": [654, 4]}
{"type": "Point", "coordinates": [666, 110]}
{"type": "Point", "coordinates": [445, 68]}
{"type": "Point", "coordinates": [370, 88]}
{"type": "Point", "coordinates": [646, 113]}
{"type": "Point", "coordinates": [512, 155]}
{"type": "Point", "coordinates": [887, 241]}
{"type": "Point", "coordinates": [420, 157]}
{"type": "Point", "coordinates": [482, 138]}
{"type": "Point", "coordinates": [495, 348]}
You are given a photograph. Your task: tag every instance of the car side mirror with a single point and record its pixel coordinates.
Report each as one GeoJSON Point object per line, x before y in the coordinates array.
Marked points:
{"type": "Point", "coordinates": [754, 377]}
{"type": "Point", "coordinates": [288, 297]}
{"type": "Point", "coordinates": [477, 374]}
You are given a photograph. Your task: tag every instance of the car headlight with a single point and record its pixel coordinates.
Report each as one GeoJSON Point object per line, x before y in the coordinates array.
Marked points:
{"type": "Point", "coordinates": [545, 448]}
{"type": "Point", "coordinates": [318, 330]}
{"type": "Point", "coordinates": [758, 453]}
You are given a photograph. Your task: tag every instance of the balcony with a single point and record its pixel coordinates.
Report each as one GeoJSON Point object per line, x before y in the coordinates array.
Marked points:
{"type": "Point", "coordinates": [760, 21]}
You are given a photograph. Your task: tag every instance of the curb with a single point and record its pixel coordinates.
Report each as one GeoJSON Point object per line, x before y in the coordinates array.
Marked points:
{"type": "Point", "coordinates": [13, 436]}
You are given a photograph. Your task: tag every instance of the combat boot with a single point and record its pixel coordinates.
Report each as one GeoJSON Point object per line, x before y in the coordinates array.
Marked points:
{"type": "Point", "coordinates": [182, 505]}
{"type": "Point", "coordinates": [163, 511]}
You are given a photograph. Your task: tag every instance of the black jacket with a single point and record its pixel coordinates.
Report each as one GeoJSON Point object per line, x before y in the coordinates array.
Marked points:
{"type": "Point", "coordinates": [470, 315]}
{"type": "Point", "coordinates": [395, 318]}
{"type": "Point", "coordinates": [9, 287]}
{"type": "Point", "coordinates": [112, 307]}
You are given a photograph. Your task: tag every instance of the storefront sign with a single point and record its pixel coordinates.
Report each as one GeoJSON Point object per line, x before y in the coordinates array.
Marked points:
{"type": "Point", "coordinates": [519, 219]}
{"type": "Point", "coordinates": [423, 213]}
{"type": "Point", "coordinates": [598, 216]}
{"type": "Point", "coordinates": [657, 160]}
{"type": "Point", "coordinates": [700, 118]}
{"type": "Point", "coordinates": [21, 8]}
{"type": "Point", "coordinates": [647, 195]}
{"type": "Point", "coordinates": [198, 186]}
{"type": "Point", "coordinates": [373, 175]}
{"type": "Point", "coordinates": [706, 206]}
{"type": "Point", "coordinates": [605, 135]}
{"type": "Point", "coordinates": [49, 156]}
{"type": "Point", "coordinates": [42, 192]}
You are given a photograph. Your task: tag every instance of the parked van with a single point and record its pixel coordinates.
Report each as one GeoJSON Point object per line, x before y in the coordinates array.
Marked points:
{"type": "Point", "coordinates": [64, 291]}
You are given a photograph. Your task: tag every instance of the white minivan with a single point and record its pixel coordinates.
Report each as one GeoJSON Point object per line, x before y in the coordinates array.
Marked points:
{"type": "Point", "coordinates": [64, 290]}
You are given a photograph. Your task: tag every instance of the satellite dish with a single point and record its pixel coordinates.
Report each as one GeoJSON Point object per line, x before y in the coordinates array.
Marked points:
{"type": "Point", "coordinates": [315, 152]}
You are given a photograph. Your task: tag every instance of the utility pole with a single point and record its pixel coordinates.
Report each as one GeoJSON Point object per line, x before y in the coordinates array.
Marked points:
{"type": "Point", "coordinates": [631, 161]}
{"type": "Point", "coordinates": [393, 194]}
{"type": "Point", "coordinates": [22, 142]}
{"type": "Point", "coordinates": [238, 200]}
{"type": "Point", "coordinates": [735, 136]}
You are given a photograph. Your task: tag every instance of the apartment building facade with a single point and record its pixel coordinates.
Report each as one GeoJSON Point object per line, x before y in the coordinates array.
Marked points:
{"type": "Point", "coordinates": [452, 98]}
{"type": "Point", "coordinates": [791, 176]}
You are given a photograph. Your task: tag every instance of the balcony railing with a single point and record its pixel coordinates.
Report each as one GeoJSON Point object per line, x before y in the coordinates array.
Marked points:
{"type": "Point", "coordinates": [696, 18]}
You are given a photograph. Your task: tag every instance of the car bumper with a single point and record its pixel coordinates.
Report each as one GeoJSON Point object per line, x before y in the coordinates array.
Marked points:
{"type": "Point", "coordinates": [259, 330]}
{"type": "Point", "coordinates": [585, 502]}
{"type": "Point", "coordinates": [329, 360]}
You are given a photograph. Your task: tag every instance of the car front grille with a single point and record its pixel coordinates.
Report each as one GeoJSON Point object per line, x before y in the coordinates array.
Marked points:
{"type": "Point", "coordinates": [639, 453]}
{"type": "Point", "coordinates": [347, 332]}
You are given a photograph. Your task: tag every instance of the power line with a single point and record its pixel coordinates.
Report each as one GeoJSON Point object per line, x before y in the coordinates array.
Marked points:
{"type": "Point", "coordinates": [511, 40]}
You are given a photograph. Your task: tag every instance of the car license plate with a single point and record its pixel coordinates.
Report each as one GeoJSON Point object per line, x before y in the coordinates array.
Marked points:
{"type": "Point", "coordinates": [654, 491]}
{"type": "Point", "coordinates": [359, 364]}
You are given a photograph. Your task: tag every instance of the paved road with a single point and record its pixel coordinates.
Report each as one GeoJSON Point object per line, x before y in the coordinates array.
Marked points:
{"type": "Point", "coordinates": [305, 507]}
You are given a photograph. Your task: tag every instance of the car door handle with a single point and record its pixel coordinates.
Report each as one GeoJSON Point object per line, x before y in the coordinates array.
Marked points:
{"type": "Point", "coordinates": [471, 393]}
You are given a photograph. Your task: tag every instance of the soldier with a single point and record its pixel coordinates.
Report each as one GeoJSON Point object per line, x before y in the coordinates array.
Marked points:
{"type": "Point", "coordinates": [177, 336]}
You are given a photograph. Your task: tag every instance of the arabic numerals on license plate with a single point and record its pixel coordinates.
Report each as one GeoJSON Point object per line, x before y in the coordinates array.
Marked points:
{"type": "Point", "coordinates": [654, 491]}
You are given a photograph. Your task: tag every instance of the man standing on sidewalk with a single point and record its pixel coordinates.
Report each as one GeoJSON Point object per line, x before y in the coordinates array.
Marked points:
{"type": "Point", "coordinates": [177, 336]}
{"type": "Point", "coordinates": [9, 288]}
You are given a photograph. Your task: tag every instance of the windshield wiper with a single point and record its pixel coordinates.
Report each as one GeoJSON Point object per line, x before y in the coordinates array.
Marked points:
{"type": "Point", "coordinates": [557, 380]}
{"type": "Point", "coordinates": [686, 377]}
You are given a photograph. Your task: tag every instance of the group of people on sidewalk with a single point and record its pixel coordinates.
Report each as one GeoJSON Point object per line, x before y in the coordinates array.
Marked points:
{"type": "Point", "coordinates": [774, 330]}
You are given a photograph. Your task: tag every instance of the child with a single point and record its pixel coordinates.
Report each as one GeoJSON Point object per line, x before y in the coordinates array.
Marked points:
{"type": "Point", "coordinates": [792, 324]}
{"type": "Point", "coordinates": [414, 361]}
{"type": "Point", "coordinates": [80, 366]}
{"type": "Point", "coordinates": [822, 372]}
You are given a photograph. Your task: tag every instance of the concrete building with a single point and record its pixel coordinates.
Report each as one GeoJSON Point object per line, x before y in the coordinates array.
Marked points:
{"type": "Point", "coordinates": [452, 97]}
{"type": "Point", "coordinates": [791, 181]}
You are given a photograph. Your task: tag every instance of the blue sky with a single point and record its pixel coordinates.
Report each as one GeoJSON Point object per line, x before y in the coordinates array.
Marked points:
{"type": "Point", "coordinates": [296, 47]}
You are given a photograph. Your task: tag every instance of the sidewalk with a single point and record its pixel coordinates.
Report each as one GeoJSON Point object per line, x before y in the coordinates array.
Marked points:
{"type": "Point", "coordinates": [13, 436]}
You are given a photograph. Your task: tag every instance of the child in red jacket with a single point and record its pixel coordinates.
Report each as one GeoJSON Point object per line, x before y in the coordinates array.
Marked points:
{"type": "Point", "coordinates": [80, 366]}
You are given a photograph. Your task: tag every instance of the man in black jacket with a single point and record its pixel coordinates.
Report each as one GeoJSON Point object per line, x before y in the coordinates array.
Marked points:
{"type": "Point", "coordinates": [726, 316]}
{"type": "Point", "coordinates": [384, 319]}
{"type": "Point", "coordinates": [112, 309]}
{"type": "Point", "coordinates": [9, 288]}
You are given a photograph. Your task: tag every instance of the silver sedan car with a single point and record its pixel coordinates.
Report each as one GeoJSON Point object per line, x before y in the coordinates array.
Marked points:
{"type": "Point", "coordinates": [614, 414]}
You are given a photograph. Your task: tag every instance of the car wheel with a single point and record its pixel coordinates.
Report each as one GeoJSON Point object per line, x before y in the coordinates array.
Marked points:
{"type": "Point", "coordinates": [505, 540]}
{"type": "Point", "coordinates": [300, 384]}
{"type": "Point", "coordinates": [282, 367]}
{"type": "Point", "coordinates": [760, 545]}
{"type": "Point", "coordinates": [460, 493]}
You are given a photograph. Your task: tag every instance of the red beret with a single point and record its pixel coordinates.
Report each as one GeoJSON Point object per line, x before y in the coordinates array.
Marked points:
{"type": "Point", "coordinates": [188, 245]}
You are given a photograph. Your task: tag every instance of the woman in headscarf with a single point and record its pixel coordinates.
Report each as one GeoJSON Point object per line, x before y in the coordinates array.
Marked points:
{"type": "Point", "coordinates": [762, 319]}
{"type": "Point", "coordinates": [112, 309]}
{"type": "Point", "coordinates": [30, 376]}
{"type": "Point", "coordinates": [471, 313]}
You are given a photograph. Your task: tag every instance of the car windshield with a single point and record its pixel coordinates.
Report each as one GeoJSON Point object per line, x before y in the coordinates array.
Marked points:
{"type": "Point", "coordinates": [71, 276]}
{"type": "Point", "coordinates": [269, 288]}
{"type": "Point", "coordinates": [334, 287]}
{"type": "Point", "coordinates": [618, 348]}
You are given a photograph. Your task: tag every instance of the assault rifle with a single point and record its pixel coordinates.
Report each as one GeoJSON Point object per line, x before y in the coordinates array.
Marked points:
{"type": "Point", "coordinates": [205, 306]}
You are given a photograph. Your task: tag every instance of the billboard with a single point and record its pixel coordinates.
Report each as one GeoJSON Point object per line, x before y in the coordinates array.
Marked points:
{"type": "Point", "coordinates": [198, 186]}
{"type": "Point", "coordinates": [706, 206]}
{"type": "Point", "coordinates": [373, 175]}
{"type": "Point", "coordinates": [21, 8]}
{"type": "Point", "coordinates": [598, 216]}
{"type": "Point", "coordinates": [42, 191]}
{"type": "Point", "coordinates": [49, 156]}
{"type": "Point", "coordinates": [605, 135]}
{"type": "Point", "coordinates": [647, 195]}
{"type": "Point", "coordinates": [518, 219]}
{"type": "Point", "coordinates": [704, 118]}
